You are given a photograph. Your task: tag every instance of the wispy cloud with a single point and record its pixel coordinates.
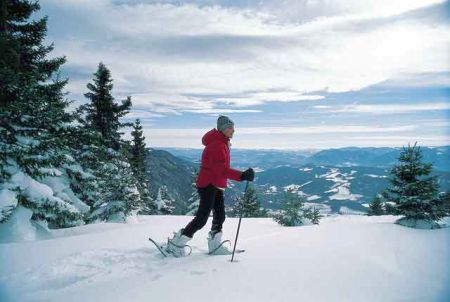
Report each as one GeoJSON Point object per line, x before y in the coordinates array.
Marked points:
{"type": "Point", "coordinates": [386, 108]}
{"type": "Point", "coordinates": [301, 138]}
{"type": "Point", "coordinates": [326, 129]}
{"type": "Point", "coordinates": [222, 110]}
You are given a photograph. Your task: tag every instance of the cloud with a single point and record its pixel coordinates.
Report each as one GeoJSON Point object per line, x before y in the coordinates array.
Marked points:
{"type": "Point", "coordinates": [435, 79]}
{"type": "Point", "coordinates": [299, 11]}
{"type": "Point", "coordinates": [386, 108]}
{"type": "Point", "coordinates": [325, 129]}
{"type": "Point", "coordinates": [301, 138]}
{"type": "Point", "coordinates": [221, 110]}
{"type": "Point", "coordinates": [246, 131]}
{"type": "Point", "coordinates": [167, 57]}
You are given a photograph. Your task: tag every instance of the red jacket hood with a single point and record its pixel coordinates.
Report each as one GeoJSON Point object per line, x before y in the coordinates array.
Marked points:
{"type": "Point", "coordinates": [213, 135]}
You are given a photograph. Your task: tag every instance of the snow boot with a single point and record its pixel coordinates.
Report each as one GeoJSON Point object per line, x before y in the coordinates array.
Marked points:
{"type": "Point", "coordinates": [177, 244]}
{"type": "Point", "coordinates": [215, 244]}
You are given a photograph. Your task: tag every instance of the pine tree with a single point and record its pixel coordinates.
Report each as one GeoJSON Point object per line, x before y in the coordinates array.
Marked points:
{"type": "Point", "coordinates": [139, 164]}
{"type": "Point", "coordinates": [117, 193]}
{"type": "Point", "coordinates": [376, 207]}
{"type": "Point", "coordinates": [194, 199]}
{"type": "Point", "coordinates": [164, 201]}
{"type": "Point", "coordinates": [86, 165]}
{"type": "Point", "coordinates": [103, 152]}
{"type": "Point", "coordinates": [292, 212]}
{"type": "Point", "coordinates": [103, 113]}
{"type": "Point", "coordinates": [34, 126]}
{"type": "Point", "coordinates": [138, 153]}
{"type": "Point", "coordinates": [249, 205]}
{"type": "Point", "coordinates": [413, 191]}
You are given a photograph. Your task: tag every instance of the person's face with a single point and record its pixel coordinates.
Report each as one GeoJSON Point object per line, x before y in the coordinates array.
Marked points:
{"type": "Point", "coordinates": [228, 132]}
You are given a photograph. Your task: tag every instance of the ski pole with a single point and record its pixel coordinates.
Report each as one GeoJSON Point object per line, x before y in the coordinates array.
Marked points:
{"type": "Point", "coordinates": [239, 224]}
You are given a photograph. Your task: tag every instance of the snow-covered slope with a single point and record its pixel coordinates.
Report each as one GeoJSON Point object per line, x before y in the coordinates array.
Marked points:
{"type": "Point", "coordinates": [345, 258]}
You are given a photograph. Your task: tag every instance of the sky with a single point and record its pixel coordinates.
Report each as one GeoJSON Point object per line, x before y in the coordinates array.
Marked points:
{"type": "Point", "coordinates": [304, 74]}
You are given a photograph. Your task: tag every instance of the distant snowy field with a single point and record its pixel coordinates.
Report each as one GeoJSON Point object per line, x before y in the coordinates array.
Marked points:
{"type": "Point", "coordinates": [345, 258]}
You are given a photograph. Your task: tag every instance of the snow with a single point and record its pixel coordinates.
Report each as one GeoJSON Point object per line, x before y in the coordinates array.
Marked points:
{"type": "Point", "coordinates": [341, 185]}
{"type": "Point", "coordinates": [25, 140]}
{"type": "Point", "coordinates": [313, 197]}
{"type": "Point", "coordinates": [39, 191]}
{"type": "Point", "coordinates": [347, 211]}
{"type": "Point", "coordinates": [8, 201]}
{"type": "Point", "coordinates": [345, 258]}
{"type": "Point", "coordinates": [293, 187]}
{"type": "Point", "coordinates": [50, 191]}
{"type": "Point", "coordinates": [18, 226]}
{"type": "Point", "coordinates": [60, 187]}
{"type": "Point", "coordinates": [271, 190]}
{"type": "Point", "coordinates": [306, 183]}
{"type": "Point", "coordinates": [376, 176]}
{"type": "Point", "coordinates": [342, 193]}
{"type": "Point", "coordinates": [50, 171]}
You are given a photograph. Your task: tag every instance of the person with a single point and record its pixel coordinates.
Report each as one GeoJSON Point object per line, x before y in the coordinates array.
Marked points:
{"type": "Point", "coordinates": [211, 183]}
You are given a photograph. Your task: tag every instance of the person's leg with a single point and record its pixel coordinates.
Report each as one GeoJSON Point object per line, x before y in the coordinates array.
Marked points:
{"type": "Point", "coordinates": [215, 244]}
{"type": "Point", "coordinates": [207, 195]}
{"type": "Point", "coordinates": [218, 212]}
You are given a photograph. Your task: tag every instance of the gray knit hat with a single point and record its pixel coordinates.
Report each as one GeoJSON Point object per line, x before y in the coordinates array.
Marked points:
{"type": "Point", "coordinates": [223, 122]}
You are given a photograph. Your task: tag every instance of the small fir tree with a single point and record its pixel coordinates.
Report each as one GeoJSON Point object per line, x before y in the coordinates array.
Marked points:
{"type": "Point", "coordinates": [313, 214]}
{"type": "Point", "coordinates": [164, 202]}
{"type": "Point", "coordinates": [413, 191]}
{"type": "Point", "coordinates": [292, 212]}
{"type": "Point", "coordinates": [376, 207]}
{"type": "Point", "coordinates": [249, 205]}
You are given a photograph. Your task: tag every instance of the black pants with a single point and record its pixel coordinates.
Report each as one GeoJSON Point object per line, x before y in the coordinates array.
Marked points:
{"type": "Point", "coordinates": [211, 198]}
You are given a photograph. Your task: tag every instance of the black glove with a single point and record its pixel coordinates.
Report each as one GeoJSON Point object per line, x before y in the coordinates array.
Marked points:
{"type": "Point", "coordinates": [248, 174]}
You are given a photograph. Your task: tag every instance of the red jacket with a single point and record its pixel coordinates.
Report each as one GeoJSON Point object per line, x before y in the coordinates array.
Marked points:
{"type": "Point", "coordinates": [215, 166]}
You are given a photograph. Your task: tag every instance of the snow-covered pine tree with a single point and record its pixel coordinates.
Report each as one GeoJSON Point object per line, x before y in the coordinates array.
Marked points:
{"type": "Point", "coordinates": [413, 191]}
{"type": "Point", "coordinates": [293, 207]}
{"type": "Point", "coordinates": [164, 202]}
{"type": "Point", "coordinates": [118, 193]}
{"type": "Point", "coordinates": [194, 199]}
{"type": "Point", "coordinates": [376, 207]}
{"type": "Point", "coordinates": [85, 166]}
{"type": "Point", "coordinates": [138, 160]}
{"type": "Point", "coordinates": [34, 125]}
{"type": "Point", "coordinates": [105, 153]}
{"type": "Point", "coordinates": [248, 205]}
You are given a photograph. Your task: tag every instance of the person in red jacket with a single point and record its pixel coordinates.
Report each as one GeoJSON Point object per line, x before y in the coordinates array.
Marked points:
{"type": "Point", "coordinates": [211, 182]}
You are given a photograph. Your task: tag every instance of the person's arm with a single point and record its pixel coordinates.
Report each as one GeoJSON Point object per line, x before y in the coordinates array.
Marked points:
{"type": "Point", "coordinates": [217, 156]}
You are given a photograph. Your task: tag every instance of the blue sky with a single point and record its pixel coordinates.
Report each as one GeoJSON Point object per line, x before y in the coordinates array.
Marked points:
{"type": "Point", "coordinates": [291, 74]}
